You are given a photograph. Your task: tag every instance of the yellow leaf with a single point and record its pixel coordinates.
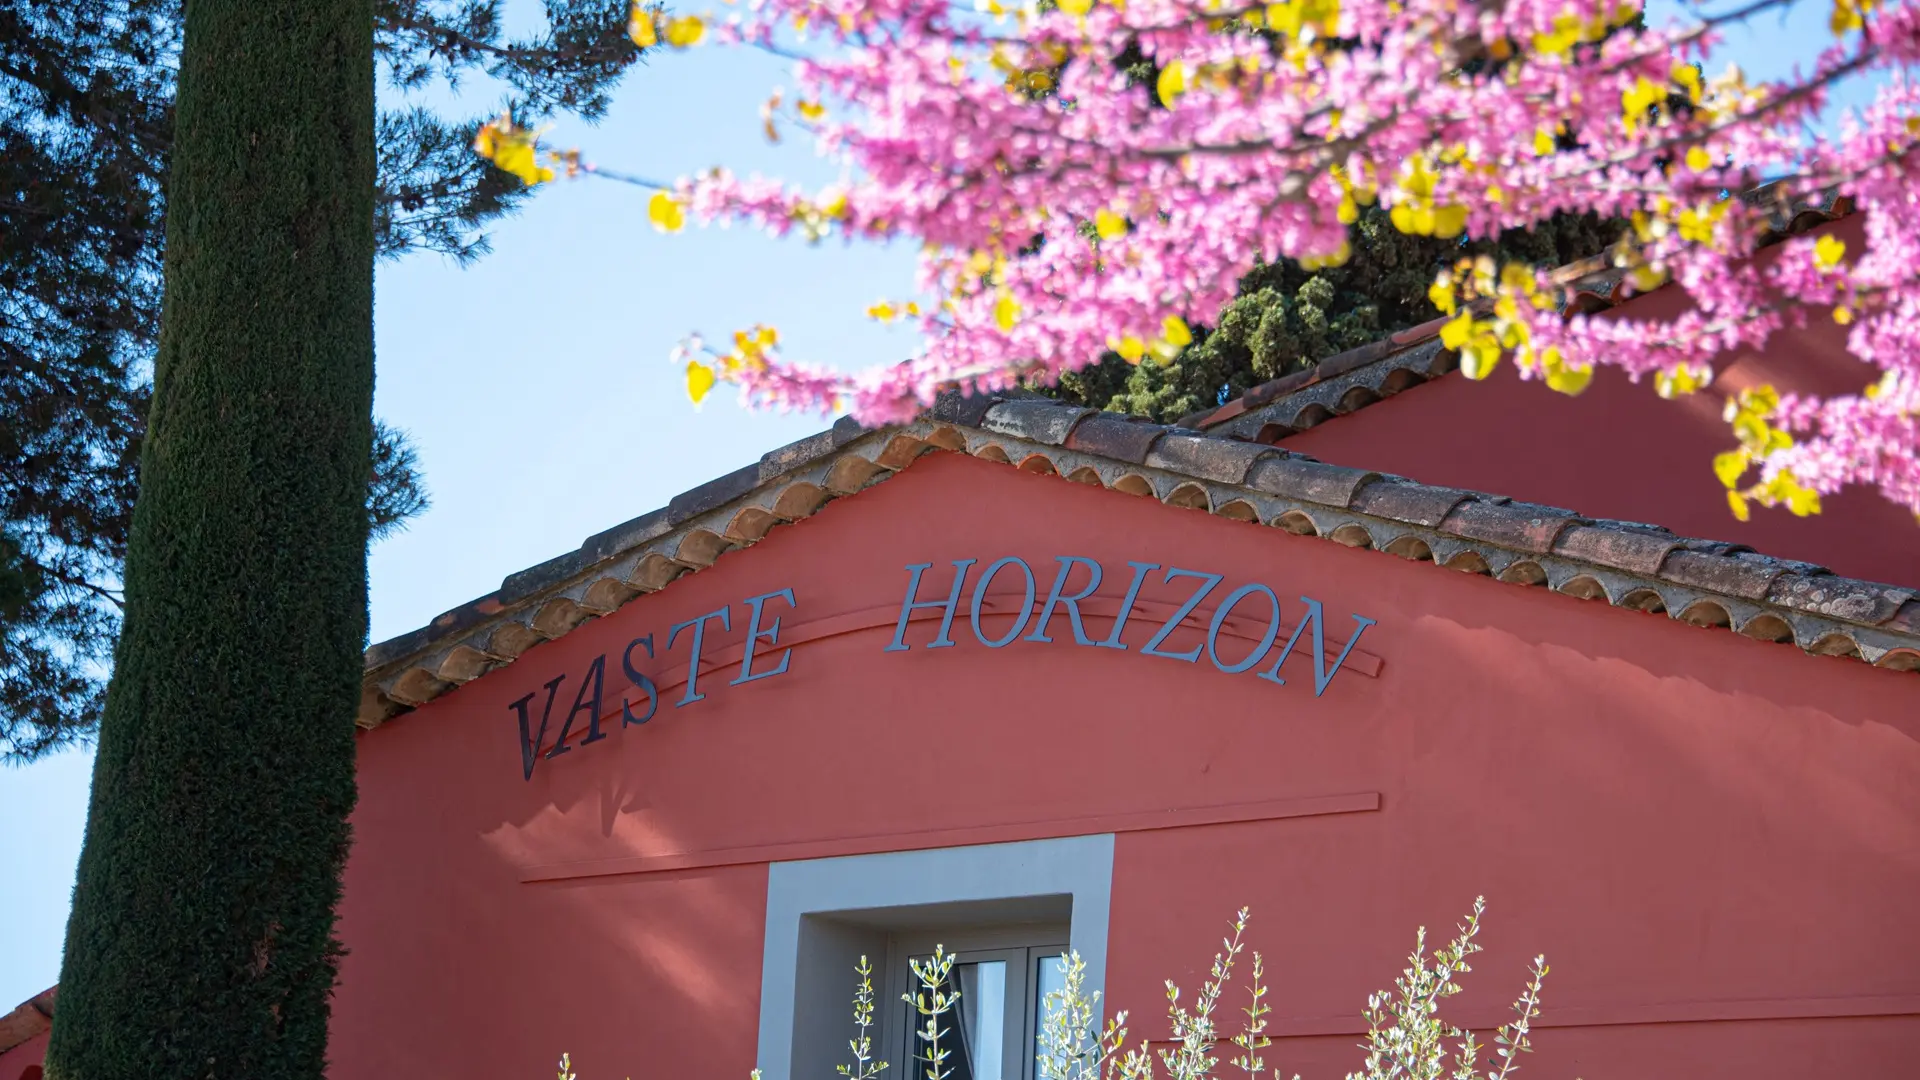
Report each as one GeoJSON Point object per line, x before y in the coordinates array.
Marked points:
{"type": "Point", "coordinates": [1568, 379]}
{"type": "Point", "coordinates": [1843, 315]}
{"type": "Point", "coordinates": [641, 28]}
{"type": "Point", "coordinates": [1349, 211]}
{"type": "Point", "coordinates": [811, 110]}
{"type": "Point", "coordinates": [665, 213]}
{"type": "Point", "coordinates": [1076, 7]}
{"type": "Point", "coordinates": [1109, 225]}
{"type": "Point", "coordinates": [685, 31]}
{"type": "Point", "coordinates": [1828, 251]}
{"type": "Point", "coordinates": [700, 380]}
{"type": "Point", "coordinates": [1172, 82]}
{"type": "Point", "coordinates": [1403, 218]}
{"type": "Point", "coordinates": [1542, 142]}
{"type": "Point", "coordinates": [1449, 221]}
{"type": "Point", "coordinates": [1480, 357]}
{"type": "Point", "coordinates": [1681, 380]}
{"type": "Point", "coordinates": [882, 311]}
{"type": "Point", "coordinates": [1729, 467]}
{"type": "Point", "coordinates": [1130, 348]}
{"type": "Point", "coordinates": [1455, 333]}
{"type": "Point", "coordinates": [1175, 330]}
{"type": "Point", "coordinates": [1441, 293]}
{"type": "Point", "coordinates": [1699, 160]}
{"type": "Point", "coordinates": [1738, 504]}
{"type": "Point", "coordinates": [1006, 312]}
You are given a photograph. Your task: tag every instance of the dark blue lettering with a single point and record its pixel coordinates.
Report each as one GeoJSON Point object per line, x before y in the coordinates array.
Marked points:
{"type": "Point", "coordinates": [1152, 647]}
{"type": "Point", "coordinates": [911, 604]}
{"type": "Point", "coordinates": [771, 634]}
{"type": "Point", "coordinates": [640, 682]}
{"type": "Point", "coordinates": [1026, 603]}
{"type": "Point", "coordinates": [699, 624]}
{"type": "Point", "coordinates": [1058, 596]}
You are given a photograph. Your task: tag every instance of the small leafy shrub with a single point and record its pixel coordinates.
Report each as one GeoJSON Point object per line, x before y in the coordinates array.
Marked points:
{"type": "Point", "coordinates": [1406, 1039]}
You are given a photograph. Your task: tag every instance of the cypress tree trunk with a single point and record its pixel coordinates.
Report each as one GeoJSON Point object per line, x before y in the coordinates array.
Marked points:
{"type": "Point", "coordinates": [201, 940]}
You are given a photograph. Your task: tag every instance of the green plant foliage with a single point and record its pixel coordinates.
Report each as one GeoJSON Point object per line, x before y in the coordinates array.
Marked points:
{"type": "Point", "coordinates": [1285, 319]}
{"type": "Point", "coordinates": [201, 939]}
{"type": "Point", "coordinates": [86, 133]}
{"type": "Point", "coordinates": [1406, 1038]}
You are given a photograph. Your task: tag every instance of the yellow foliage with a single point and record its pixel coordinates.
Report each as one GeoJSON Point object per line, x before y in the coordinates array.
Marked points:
{"type": "Point", "coordinates": [1175, 331]}
{"type": "Point", "coordinates": [512, 149]}
{"type": "Point", "coordinates": [1681, 380]}
{"type": "Point", "coordinates": [686, 31]}
{"type": "Point", "coordinates": [666, 213]}
{"type": "Point", "coordinates": [811, 110]}
{"type": "Point", "coordinates": [700, 380]}
{"type": "Point", "coordinates": [1109, 225]}
{"type": "Point", "coordinates": [1698, 159]}
{"type": "Point", "coordinates": [1130, 348]}
{"type": "Point", "coordinates": [641, 27]}
{"type": "Point", "coordinates": [1006, 312]}
{"type": "Point", "coordinates": [1172, 82]}
{"type": "Point", "coordinates": [1828, 251]}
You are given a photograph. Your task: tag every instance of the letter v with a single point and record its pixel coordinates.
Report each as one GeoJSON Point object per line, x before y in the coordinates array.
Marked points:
{"type": "Point", "coordinates": [529, 742]}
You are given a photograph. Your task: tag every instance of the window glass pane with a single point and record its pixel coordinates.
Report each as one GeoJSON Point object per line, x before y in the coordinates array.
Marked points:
{"type": "Point", "coordinates": [973, 1031]}
{"type": "Point", "coordinates": [1049, 977]}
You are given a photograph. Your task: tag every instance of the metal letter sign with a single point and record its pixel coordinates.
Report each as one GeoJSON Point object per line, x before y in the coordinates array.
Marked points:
{"type": "Point", "coordinates": [763, 637]}
{"type": "Point", "coordinates": [1058, 597]}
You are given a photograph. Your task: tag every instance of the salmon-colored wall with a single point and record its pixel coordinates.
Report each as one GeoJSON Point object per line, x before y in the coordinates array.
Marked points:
{"type": "Point", "coordinates": [23, 1062]}
{"type": "Point", "coordinates": [1715, 841]}
{"type": "Point", "coordinates": [1619, 451]}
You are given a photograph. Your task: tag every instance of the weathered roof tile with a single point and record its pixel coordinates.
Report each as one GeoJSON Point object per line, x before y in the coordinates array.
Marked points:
{"type": "Point", "coordinates": [713, 494]}
{"type": "Point", "coordinates": [1403, 500]}
{"type": "Point", "coordinates": [1110, 436]}
{"type": "Point", "coordinates": [540, 575]}
{"type": "Point", "coordinates": [1042, 421]}
{"type": "Point", "coordinates": [1731, 575]}
{"type": "Point", "coordinates": [1614, 544]}
{"type": "Point", "coordinates": [1520, 526]}
{"type": "Point", "coordinates": [792, 456]}
{"type": "Point", "coordinates": [1839, 598]}
{"type": "Point", "coordinates": [628, 534]}
{"type": "Point", "coordinates": [953, 407]}
{"type": "Point", "coordinates": [1221, 460]}
{"type": "Point", "coordinates": [1303, 478]}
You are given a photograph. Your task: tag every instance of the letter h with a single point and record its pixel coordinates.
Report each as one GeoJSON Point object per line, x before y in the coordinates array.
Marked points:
{"type": "Point", "coordinates": [912, 604]}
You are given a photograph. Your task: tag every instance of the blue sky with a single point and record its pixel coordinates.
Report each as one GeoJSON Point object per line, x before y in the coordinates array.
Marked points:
{"type": "Point", "coordinates": [537, 387]}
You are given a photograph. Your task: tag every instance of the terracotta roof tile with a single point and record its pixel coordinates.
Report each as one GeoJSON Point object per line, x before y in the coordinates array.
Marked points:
{"type": "Point", "coordinates": [1637, 549]}
{"type": "Point", "coordinates": [1404, 500]}
{"type": "Point", "coordinates": [1219, 460]}
{"type": "Point", "coordinates": [1839, 597]}
{"type": "Point", "coordinates": [1111, 436]}
{"type": "Point", "coordinates": [1644, 567]}
{"type": "Point", "coordinates": [1042, 421]}
{"type": "Point", "coordinates": [1520, 526]}
{"type": "Point", "coordinates": [1301, 477]}
{"type": "Point", "coordinates": [1733, 575]}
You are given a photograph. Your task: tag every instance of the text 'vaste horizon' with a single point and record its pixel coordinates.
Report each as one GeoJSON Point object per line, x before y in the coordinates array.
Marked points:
{"type": "Point", "coordinates": [1073, 594]}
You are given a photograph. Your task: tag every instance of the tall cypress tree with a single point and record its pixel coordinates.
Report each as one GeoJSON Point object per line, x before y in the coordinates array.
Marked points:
{"type": "Point", "coordinates": [201, 941]}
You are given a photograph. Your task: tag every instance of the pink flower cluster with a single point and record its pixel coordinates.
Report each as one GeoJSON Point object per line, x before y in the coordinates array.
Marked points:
{"type": "Point", "coordinates": [1097, 174]}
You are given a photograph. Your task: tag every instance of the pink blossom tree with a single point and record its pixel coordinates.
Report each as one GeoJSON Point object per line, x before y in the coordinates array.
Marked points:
{"type": "Point", "coordinates": [1089, 176]}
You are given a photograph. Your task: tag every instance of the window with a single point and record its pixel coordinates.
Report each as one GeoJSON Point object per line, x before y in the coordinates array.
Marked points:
{"type": "Point", "coordinates": [1016, 904]}
{"type": "Point", "coordinates": [991, 1032]}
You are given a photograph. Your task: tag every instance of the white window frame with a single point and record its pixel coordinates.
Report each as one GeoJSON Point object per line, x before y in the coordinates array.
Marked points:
{"type": "Point", "coordinates": [855, 903]}
{"type": "Point", "coordinates": [1020, 947]}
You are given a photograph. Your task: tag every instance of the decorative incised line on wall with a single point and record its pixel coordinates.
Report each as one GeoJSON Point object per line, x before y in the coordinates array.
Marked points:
{"type": "Point", "coordinates": [1001, 833]}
